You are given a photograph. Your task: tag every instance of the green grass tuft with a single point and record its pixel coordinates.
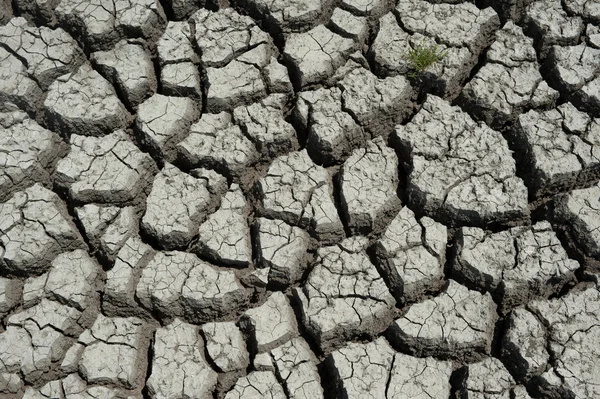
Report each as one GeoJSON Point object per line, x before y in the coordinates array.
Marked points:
{"type": "Point", "coordinates": [422, 57]}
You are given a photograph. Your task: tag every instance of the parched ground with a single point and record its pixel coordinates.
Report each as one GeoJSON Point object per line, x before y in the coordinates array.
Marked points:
{"type": "Point", "coordinates": [204, 200]}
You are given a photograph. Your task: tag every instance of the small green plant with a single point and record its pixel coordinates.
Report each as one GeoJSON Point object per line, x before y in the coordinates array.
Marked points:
{"type": "Point", "coordinates": [422, 57]}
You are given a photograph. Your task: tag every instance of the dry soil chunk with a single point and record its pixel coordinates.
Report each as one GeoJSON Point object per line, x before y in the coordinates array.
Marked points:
{"type": "Point", "coordinates": [29, 152]}
{"type": "Point", "coordinates": [515, 265]}
{"type": "Point", "coordinates": [550, 24]}
{"type": "Point", "coordinates": [588, 9]}
{"type": "Point", "coordinates": [108, 228]}
{"type": "Point", "coordinates": [575, 72]}
{"type": "Point", "coordinates": [84, 103]}
{"type": "Point", "coordinates": [5, 16]}
{"type": "Point", "coordinates": [48, 53]}
{"type": "Point", "coordinates": [175, 45]}
{"type": "Point", "coordinates": [226, 346]}
{"type": "Point", "coordinates": [110, 169]}
{"type": "Point", "coordinates": [181, 80]}
{"type": "Point", "coordinates": [370, 8]}
{"type": "Point", "coordinates": [579, 211]}
{"type": "Point", "coordinates": [122, 279]}
{"type": "Point", "coordinates": [179, 368]}
{"type": "Point", "coordinates": [283, 249]}
{"type": "Point", "coordinates": [560, 149]}
{"type": "Point", "coordinates": [377, 104]}
{"type": "Point", "coordinates": [115, 352]}
{"type": "Point", "coordinates": [572, 332]}
{"type": "Point", "coordinates": [101, 23]}
{"type": "Point", "coordinates": [35, 227]}
{"type": "Point", "coordinates": [178, 284]}
{"type": "Point", "coordinates": [292, 16]}
{"type": "Point", "coordinates": [225, 235]}
{"type": "Point", "coordinates": [74, 279]}
{"type": "Point", "coordinates": [510, 82]}
{"type": "Point", "coordinates": [36, 338]}
{"type": "Point", "coordinates": [297, 367]}
{"type": "Point", "coordinates": [176, 206]}
{"type": "Point", "coordinates": [183, 8]}
{"type": "Point", "coordinates": [332, 132]}
{"type": "Point", "coordinates": [215, 142]}
{"type": "Point", "coordinates": [299, 192]}
{"type": "Point", "coordinates": [419, 378]}
{"type": "Point", "coordinates": [271, 324]}
{"type": "Point", "coordinates": [129, 67]}
{"type": "Point", "coordinates": [344, 296]}
{"type": "Point", "coordinates": [224, 35]}
{"type": "Point", "coordinates": [412, 254]}
{"type": "Point", "coordinates": [524, 345]}
{"type": "Point", "coordinates": [75, 387]}
{"type": "Point", "coordinates": [460, 170]}
{"type": "Point", "coordinates": [10, 383]}
{"type": "Point", "coordinates": [163, 121]}
{"type": "Point", "coordinates": [11, 291]}
{"type": "Point", "coordinates": [264, 123]}
{"type": "Point", "coordinates": [571, 67]}
{"type": "Point", "coordinates": [233, 85]}
{"type": "Point", "coordinates": [257, 385]}
{"type": "Point", "coordinates": [348, 25]}
{"type": "Point", "coordinates": [316, 54]}
{"type": "Point", "coordinates": [363, 370]}
{"type": "Point", "coordinates": [459, 323]}
{"type": "Point", "coordinates": [369, 180]}
{"type": "Point", "coordinates": [487, 379]}
{"type": "Point", "coordinates": [16, 85]}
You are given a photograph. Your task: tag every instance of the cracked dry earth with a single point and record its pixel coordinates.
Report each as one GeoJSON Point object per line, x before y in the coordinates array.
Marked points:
{"type": "Point", "coordinates": [205, 200]}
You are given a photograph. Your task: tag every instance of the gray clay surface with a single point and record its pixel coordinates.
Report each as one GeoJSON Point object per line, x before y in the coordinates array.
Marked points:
{"type": "Point", "coordinates": [265, 199]}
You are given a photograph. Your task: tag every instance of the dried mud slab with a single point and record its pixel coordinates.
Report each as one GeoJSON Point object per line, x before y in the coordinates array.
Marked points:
{"type": "Point", "coordinates": [283, 249]}
{"type": "Point", "coordinates": [115, 352]}
{"type": "Point", "coordinates": [558, 149]}
{"type": "Point", "coordinates": [100, 24]}
{"type": "Point", "coordinates": [460, 171]}
{"type": "Point", "coordinates": [179, 368]}
{"type": "Point", "coordinates": [38, 337]}
{"type": "Point", "coordinates": [579, 212]}
{"type": "Point", "coordinates": [457, 324]}
{"type": "Point", "coordinates": [299, 192]}
{"type": "Point", "coordinates": [509, 83]}
{"type": "Point", "coordinates": [225, 236]}
{"type": "Point", "coordinates": [31, 152]}
{"type": "Point", "coordinates": [515, 265]}
{"type": "Point", "coordinates": [575, 72]}
{"type": "Point", "coordinates": [550, 24]}
{"type": "Point", "coordinates": [340, 119]}
{"type": "Point", "coordinates": [215, 142]}
{"type": "Point", "coordinates": [107, 228]}
{"type": "Point", "coordinates": [109, 169]}
{"type": "Point", "coordinates": [35, 45]}
{"type": "Point", "coordinates": [16, 85]}
{"type": "Point", "coordinates": [344, 297]}
{"type": "Point", "coordinates": [178, 284]}
{"type": "Point", "coordinates": [488, 379]}
{"type": "Point", "coordinates": [369, 180]}
{"type": "Point", "coordinates": [412, 255]}
{"type": "Point", "coordinates": [129, 68]}
{"type": "Point", "coordinates": [35, 227]}
{"type": "Point", "coordinates": [553, 342]}
{"type": "Point", "coordinates": [84, 103]}
{"type": "Point", "coordinates": [375, 370]}
{"type": "Point", "coordinates": [178, 204]}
